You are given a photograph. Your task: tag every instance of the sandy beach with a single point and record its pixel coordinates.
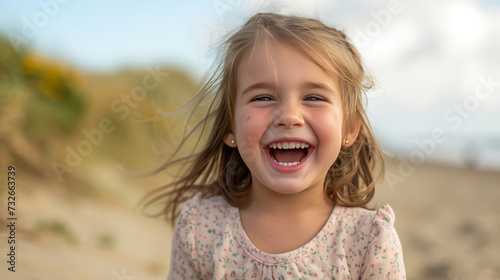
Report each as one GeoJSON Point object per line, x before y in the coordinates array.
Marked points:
{"type": "Point", "coordinates": [447, 220]}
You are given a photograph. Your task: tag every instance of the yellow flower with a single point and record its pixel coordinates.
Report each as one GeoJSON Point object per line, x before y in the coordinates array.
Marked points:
{"type": "Point", "coordinates": [50, 78]}
{"type": "Point", "coordinates": [32, 64]}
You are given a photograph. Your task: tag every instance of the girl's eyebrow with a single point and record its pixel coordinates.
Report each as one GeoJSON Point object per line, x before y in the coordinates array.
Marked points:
{"type": "Point", "coordinates": [320, 86]}
{"type": "Point", "coordinates": [258, 85]}
{"type": "Point", "coordinates": [272, 86]}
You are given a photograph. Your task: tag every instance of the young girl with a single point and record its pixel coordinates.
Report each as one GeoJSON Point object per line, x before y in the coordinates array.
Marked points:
{"type": "Point", "coordinates": [280, 189]}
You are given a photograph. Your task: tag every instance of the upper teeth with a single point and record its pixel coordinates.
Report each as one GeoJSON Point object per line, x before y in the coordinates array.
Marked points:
{"type": "Point", "coordinates": [288, 145]}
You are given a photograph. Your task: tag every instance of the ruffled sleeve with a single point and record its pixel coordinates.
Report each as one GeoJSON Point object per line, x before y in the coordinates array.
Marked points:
{"type": "Point", "coordinates": [384, 256]}
{"type": "Point", "coordinates": [183, 263]}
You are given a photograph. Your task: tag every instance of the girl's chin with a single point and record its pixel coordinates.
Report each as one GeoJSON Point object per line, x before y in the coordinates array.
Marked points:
{"type": "Point", "coordinates": [287, 187]}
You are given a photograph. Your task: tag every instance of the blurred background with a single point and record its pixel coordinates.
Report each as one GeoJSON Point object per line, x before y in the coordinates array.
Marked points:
{"type": "Point", "coordinates": [86, 88]}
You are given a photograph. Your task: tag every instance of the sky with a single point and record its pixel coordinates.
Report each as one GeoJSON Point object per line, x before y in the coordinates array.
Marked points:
{"type": "Point", "coordinates": [436, 63]}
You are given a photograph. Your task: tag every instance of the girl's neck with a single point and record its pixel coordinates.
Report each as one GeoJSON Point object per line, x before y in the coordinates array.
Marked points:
{"type": "Point", "coordinates": [266, 202]}
{"type": "Point", "coordinates": [277, 223]}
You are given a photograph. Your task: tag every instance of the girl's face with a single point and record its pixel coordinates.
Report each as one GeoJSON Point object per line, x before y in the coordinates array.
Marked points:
{"type": "Point", "coordinates": [288, 120]}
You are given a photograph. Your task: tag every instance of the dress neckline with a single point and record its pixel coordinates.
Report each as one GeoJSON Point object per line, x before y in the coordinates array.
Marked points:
{"type": "Point", "coordinates": [286, 257]}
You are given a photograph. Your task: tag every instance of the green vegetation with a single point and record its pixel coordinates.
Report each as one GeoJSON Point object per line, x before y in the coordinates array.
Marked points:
{"type": "Point", "coordinates": [106, 241]}
{"type": "Point", "coordinates": [58, 228]}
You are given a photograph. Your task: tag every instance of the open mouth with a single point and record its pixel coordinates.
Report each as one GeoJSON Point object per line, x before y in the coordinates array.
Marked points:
{"type": "Point", "coordinates": [288, 153]}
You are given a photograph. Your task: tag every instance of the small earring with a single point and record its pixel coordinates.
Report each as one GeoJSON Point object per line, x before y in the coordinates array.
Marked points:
{"type": "Point", "coordinates": [232, 141]}
{"type": "Point", "coordinates": [346, 142]}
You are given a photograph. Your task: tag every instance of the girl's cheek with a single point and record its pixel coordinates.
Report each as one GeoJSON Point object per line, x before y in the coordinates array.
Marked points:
{"type": "Point", "coordinates": [253, 117]}
{"type": "Point", "coordinates": [332, 116]}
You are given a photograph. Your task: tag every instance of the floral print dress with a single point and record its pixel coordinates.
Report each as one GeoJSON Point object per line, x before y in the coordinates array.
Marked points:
{"type": "Point", "coordinates": [209, 243]}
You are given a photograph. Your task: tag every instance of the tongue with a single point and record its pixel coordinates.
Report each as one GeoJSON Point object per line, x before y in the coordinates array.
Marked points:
{"type": "Point", "coordinates": [294, 155]}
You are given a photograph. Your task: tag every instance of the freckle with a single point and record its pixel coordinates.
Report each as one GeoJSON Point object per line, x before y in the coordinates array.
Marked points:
{"type": "Point", "coordinates": [248, 118]}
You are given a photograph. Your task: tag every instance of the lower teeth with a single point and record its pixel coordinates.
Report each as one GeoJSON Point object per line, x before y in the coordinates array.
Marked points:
{"type": "Point", "coordinates": [286, 163]}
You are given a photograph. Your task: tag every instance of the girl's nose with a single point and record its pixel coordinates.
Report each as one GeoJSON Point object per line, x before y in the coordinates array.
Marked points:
{"type": "Point", "coordinates": [289, 115]}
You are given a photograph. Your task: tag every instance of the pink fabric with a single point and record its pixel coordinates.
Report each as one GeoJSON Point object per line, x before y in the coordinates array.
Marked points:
{"type": "Point", "coordinates": [209, 243]}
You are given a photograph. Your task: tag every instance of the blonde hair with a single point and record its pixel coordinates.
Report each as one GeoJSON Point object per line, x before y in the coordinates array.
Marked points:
{"type": "Point", "coordinates": [219, 170]}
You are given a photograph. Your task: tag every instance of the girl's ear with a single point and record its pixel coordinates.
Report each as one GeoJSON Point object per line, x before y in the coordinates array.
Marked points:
{"type": "Point", "coordinates": [230, 140]}
{"type": "Point", "coordinates": [352, 132]}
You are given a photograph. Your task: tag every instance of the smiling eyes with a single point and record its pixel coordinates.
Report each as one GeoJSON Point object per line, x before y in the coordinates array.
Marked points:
{"type": "Point", "coordinates": [262, 98]}
{"type": "Point", "coordinates": [314, 98]}
{"type": "Point", "coordinates": [270, 98]}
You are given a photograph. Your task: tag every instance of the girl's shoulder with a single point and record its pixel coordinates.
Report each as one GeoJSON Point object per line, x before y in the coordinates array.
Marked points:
{"type": "Point", "coordinates": [382, 217]}
{"type": "Point", "coordinates": [197, 201]}
{"type": "Point", "coordinates": [197, 208]}
{"type": "Point", "coordinates": [378, 248]}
